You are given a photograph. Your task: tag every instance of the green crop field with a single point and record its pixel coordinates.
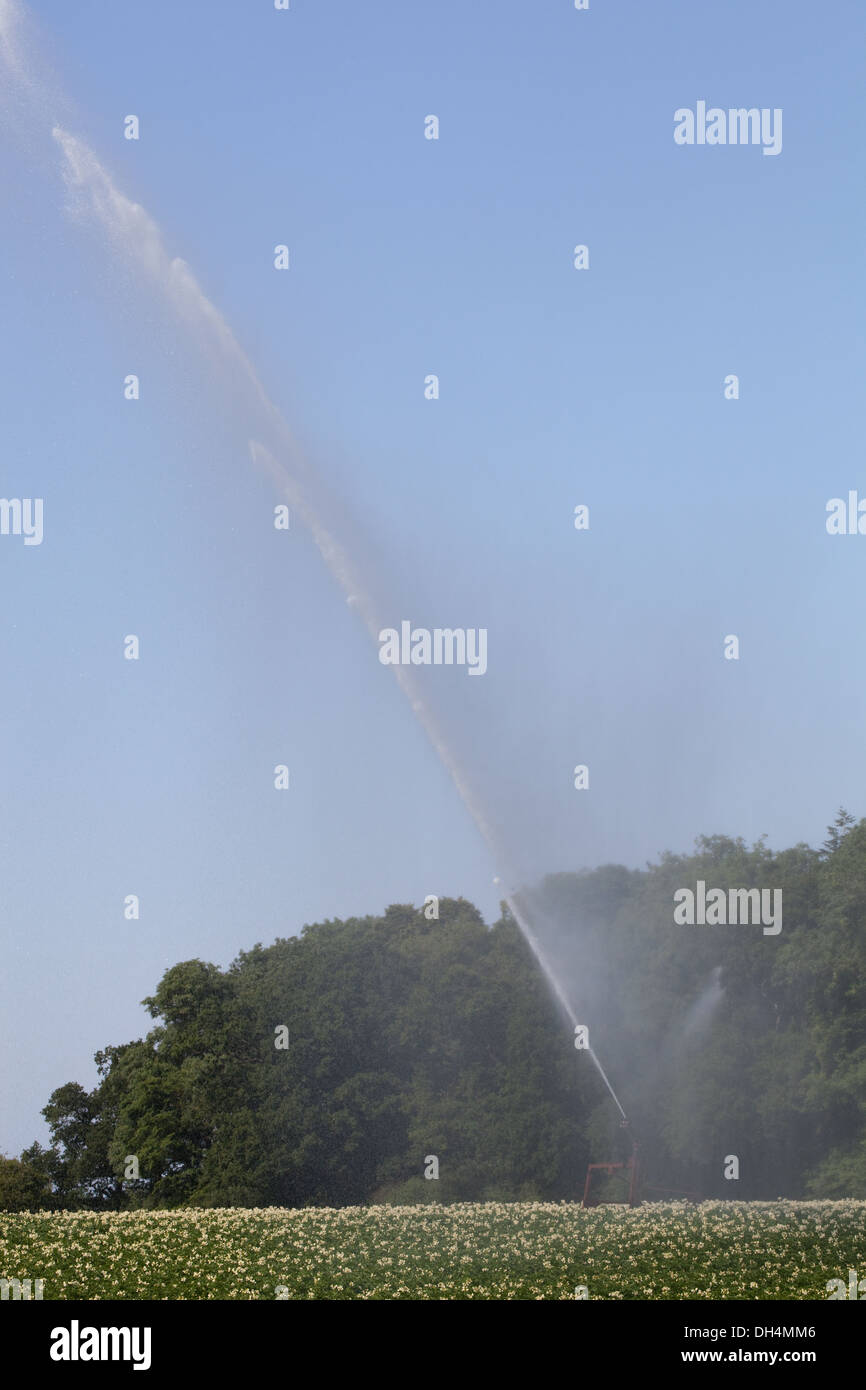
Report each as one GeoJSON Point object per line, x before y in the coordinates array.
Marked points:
{"type": "Point", "coordinates": [492, 1250]}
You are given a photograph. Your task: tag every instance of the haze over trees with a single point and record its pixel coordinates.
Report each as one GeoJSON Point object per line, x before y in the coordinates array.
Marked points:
{"type": "Point", "coordinates": [410, 1037]}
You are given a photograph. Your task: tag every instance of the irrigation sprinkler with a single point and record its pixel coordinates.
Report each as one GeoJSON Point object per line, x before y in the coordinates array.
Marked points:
{"type": "Point", "coordinates": [630, 1166]}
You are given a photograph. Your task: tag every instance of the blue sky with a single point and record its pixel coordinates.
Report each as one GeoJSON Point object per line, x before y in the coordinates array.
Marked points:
{"type": "Point", "coordinates": [558, 387]}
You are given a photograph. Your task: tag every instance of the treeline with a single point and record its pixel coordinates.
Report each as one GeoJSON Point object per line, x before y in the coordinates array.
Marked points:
{"type": "Point", "coordinates": [330, 1068]}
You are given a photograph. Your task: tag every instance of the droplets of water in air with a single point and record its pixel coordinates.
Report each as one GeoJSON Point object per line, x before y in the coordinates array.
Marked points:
{"type": "Point", "coordinates": [135, 239]}
{"type": "Point", "coordinates": [702, 1011]}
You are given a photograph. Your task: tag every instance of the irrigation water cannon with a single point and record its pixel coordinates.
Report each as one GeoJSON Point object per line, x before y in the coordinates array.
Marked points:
{"type": "Point", "coordinates": [631, 1167]}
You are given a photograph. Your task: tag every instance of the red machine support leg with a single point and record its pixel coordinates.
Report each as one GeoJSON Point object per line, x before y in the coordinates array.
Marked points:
{"type": "Point", "coordinates": [632, 1166]}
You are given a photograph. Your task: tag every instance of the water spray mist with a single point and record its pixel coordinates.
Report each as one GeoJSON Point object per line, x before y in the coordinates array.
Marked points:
{"type": "Point", "coordinates": [134, 237]}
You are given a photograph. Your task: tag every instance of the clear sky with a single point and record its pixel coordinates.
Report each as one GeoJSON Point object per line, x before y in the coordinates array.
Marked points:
{"type": "Point", "coordinates": [408, 257]}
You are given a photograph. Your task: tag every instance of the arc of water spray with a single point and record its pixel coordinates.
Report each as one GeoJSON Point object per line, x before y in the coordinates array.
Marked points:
{"type": "Point", "coordinates": [131, 232]}
{"type": "Point", "coordinates": [603, 1075]}
{"type": "Point", "coordinates": [343, 569]}
{"type": "Point", "coordinates": [558, 991]}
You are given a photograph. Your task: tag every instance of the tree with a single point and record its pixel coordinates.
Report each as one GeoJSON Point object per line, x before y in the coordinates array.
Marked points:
{"type": "Point", "coordinates": [23, 1187]}
{"type": "Point", "coordinates": [837, 832]}
{"type": "Point", "coordinates": [410, 1037]}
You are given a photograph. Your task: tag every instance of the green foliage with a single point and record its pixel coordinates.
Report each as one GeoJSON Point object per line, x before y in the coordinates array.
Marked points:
{"type": "Point", "coordinates": [24, 1186]}
{"type": "Point", "coordinates": [410, 1037]}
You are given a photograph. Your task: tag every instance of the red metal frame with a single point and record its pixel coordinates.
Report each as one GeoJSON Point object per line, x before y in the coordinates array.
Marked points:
{"type": "Point", "coordinates": [636, 1188]}
{"type": "Point", "coordinates": [631, 1165]}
